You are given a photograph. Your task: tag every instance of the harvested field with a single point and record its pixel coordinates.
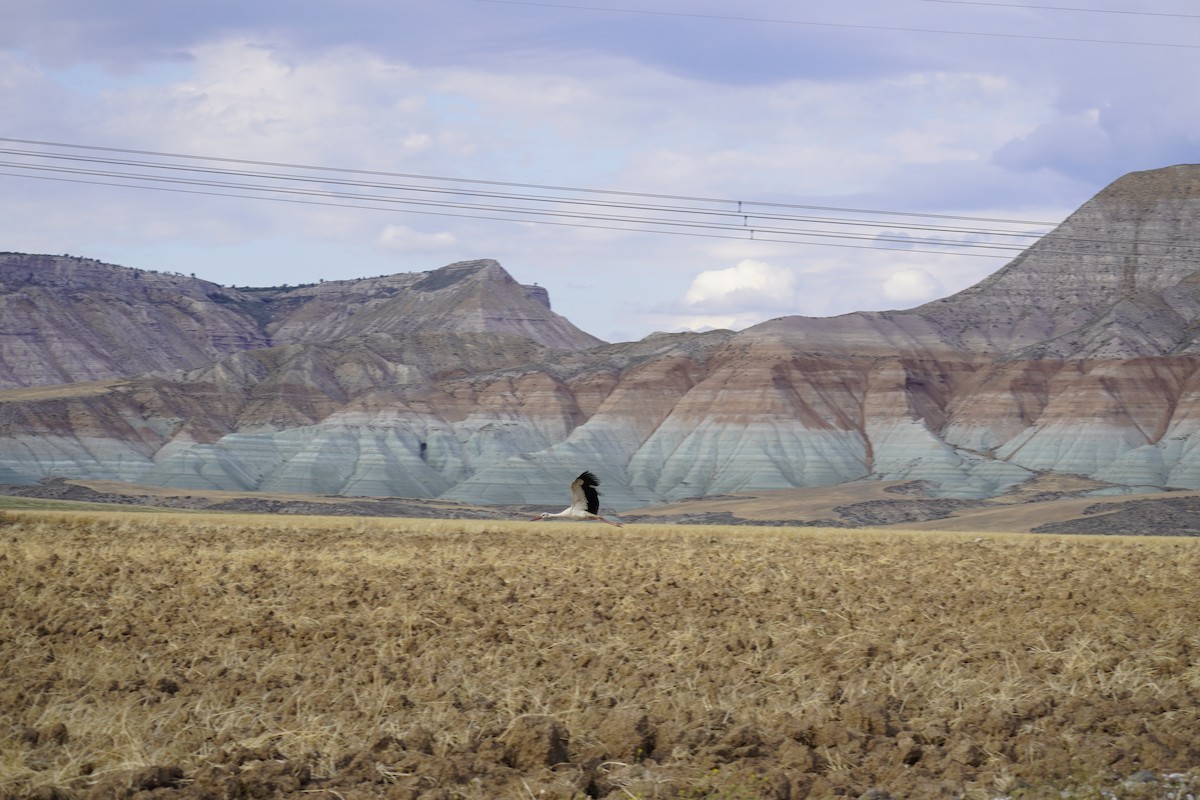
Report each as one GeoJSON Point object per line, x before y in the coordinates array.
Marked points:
{"type": "Point", "coordinates": [206, 656]}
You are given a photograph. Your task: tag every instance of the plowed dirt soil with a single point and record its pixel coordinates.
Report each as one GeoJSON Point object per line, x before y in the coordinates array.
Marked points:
{"type": "Point", "coordinates": [207, 656]}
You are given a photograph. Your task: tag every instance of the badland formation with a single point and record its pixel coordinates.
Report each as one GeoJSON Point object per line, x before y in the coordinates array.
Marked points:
{"type": "Point", "coordinates": [1080, 357]}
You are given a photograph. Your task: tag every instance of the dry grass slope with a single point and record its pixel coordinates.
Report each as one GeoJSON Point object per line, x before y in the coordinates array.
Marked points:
{"type": "Point", "coordinates": [224, 657]}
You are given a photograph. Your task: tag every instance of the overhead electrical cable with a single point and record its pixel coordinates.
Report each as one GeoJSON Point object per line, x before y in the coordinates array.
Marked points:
{"type": "Point", "coordinates": [585, 225]}
{"type": "Point", "coordinates": [501, 199]}
{"type": "Point", "coordinates": [844, 25]}
{"type": "Point", "coordinates": [535, 203]}
{"type": "Point", "coordinates": [735, 210]}
{"type": "Point", "coordinates": [539, 186]}
{"type": "Point", "coordinates": [1076, 9]}
{"type": "Point", "coordinates": [530, 214]}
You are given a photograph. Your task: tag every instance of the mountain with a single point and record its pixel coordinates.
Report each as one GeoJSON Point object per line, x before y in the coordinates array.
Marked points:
{"type": "Point", "coordinates": [71, 319]}
{"type": "Point", "coordinates": [1119, 278]}
{"type": "Point", "coordinates": [65, 319]}
{"type": "Point", "coordinates": [466, 297]}
{"type": "Point", "coordinates": [1078, 357]}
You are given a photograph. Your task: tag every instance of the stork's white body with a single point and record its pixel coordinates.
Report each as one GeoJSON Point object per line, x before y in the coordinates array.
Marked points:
{"type": "Point", "coordinates": [585, 502]}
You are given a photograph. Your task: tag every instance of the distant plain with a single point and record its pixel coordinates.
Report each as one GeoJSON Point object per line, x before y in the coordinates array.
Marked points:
{"type": "Point", "coordinates": [1044, 501]}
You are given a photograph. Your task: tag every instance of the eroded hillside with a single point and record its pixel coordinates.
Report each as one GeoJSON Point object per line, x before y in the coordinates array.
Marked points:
{"type": "Point", "coordinates": [1079, 357]}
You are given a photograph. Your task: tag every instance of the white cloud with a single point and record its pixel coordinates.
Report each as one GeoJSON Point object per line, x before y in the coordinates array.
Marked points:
{"type": "Point", "coordinates": [749, 286]}
{"type": "Point", "coordinates": [699, 324]}
{"type": "Point", "coordinates": [399, 238]}
{"type": "Point", "coordinates": [912, 286]}
{"type": "Point", "coordinates": [252, 98]}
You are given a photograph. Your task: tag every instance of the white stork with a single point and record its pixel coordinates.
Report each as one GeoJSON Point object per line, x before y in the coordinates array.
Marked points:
{"type": "Point", "coordinates": [585, 502]}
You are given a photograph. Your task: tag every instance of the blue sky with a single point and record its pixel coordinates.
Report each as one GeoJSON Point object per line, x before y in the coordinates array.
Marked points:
{"type": "Point", "coordinates": [975, 112]}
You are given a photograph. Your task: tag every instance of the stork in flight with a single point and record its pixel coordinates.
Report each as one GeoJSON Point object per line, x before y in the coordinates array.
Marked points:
{"type": "Point", "coordinates": [585, 502]}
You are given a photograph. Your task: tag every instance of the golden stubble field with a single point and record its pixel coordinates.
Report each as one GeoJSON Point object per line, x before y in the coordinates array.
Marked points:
{"type": "Point", "coordinates": [208, 656]}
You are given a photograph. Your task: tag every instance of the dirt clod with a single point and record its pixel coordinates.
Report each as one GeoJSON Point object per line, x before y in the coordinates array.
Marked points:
{"type": "Point", "coordinates": [419, 739]}
{"type": "Point", "coordinates": [624, 735]}
{"type": "Point", "coordinates": [128, 784]}
{"type": "Point", "coordinates": [535, 741]}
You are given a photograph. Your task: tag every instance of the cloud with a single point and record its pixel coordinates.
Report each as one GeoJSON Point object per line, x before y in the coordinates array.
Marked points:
{"type": "Point", "coordinates": [399, 238]}
{"type": "Point", "coordinates": [699, 324]}
{"type": "Point", "coordinates": [43, 104]}
{"type": "Point", "coordinates": [1099, 144]}
{"type": "Point", "coordinates": [912, 286]}
{"type": "Point", "coordinates": [1073, 144]}
{"type": "Point", "coordinates": [750, 285]}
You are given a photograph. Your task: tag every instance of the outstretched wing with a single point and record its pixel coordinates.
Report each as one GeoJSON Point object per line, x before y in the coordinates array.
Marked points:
{"type": "Point", "coordinates": [584, 493]}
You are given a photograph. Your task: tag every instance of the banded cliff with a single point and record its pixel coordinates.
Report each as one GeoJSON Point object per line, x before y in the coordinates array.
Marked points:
{"type": "Point", "coordinates": [1079, 357]}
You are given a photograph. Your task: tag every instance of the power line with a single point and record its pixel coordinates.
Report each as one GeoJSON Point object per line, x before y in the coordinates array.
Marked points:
{"type": "Point", "coordinates": [754, 231]}
{"type": "Point", "coordinates": [516, 201]}
{"type": "Point", "coordinates": [591, 226]}
{"type": "Point", "coordinates": [1066, 8]}
{"type": "Point", "coordinates": [536, 186]}
{"type": "Point", "coordinates": [565, 206]}
{"type": "Point", "coordinates": [844, 25]}
{"type": "Point", "coordinates": [730, 212]}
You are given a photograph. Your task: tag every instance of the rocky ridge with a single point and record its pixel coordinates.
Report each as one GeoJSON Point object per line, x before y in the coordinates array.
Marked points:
{"type": "Point", "coordinates": [67, 320]}
{"type": "Point", "coordinates": [1079, 357]}
{"type": "Point", "coordinates": [70, 319]}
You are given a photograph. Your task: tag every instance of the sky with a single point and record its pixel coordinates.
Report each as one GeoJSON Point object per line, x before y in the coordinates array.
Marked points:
{"type": "Point", "coordinates": [660, 165]}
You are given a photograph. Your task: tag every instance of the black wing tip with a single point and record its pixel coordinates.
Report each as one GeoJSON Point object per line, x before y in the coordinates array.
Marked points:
{"type": "Point", "coordinates": [588, 479]}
